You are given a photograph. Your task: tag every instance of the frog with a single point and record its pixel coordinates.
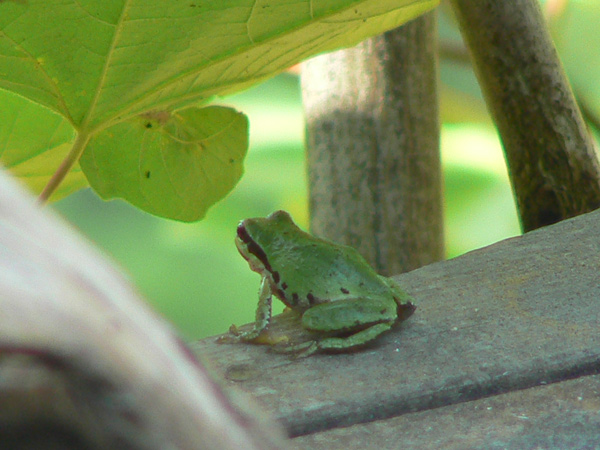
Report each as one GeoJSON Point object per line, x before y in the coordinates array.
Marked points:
{"type": "Point", "coordinates": [340, 298]}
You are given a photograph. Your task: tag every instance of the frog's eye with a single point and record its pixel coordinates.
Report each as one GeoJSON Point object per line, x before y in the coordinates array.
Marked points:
{"type": "Point", "coordinates": [243, 234]}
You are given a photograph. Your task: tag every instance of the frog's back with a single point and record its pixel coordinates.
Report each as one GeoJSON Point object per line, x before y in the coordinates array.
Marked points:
{"type": "Point", "coordinates": [324, 274]}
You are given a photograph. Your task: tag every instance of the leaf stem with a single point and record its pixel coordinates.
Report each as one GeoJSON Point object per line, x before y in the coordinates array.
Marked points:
{"type": "Point", "coordinates": [65, 167]}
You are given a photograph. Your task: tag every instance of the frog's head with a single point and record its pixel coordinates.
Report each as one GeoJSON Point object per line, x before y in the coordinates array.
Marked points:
{"type": "Point", "coordinates": [258, 237]}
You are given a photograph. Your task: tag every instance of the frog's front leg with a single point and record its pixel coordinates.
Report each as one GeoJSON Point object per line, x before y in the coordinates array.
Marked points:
{"type": "Point", "coordinates": [263, 317]}
{"type": "Point", "coordinates": [370, 317]}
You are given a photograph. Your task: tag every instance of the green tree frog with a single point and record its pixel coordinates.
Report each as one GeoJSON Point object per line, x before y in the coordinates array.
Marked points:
{"type": "Point", "coordinates": [332, 286]}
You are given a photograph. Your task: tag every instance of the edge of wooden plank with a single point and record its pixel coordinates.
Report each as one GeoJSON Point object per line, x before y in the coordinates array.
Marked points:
{"type": "Point", "coordinates": [513, 315]}
{"type": "Point", "coordinates": [559, 415]}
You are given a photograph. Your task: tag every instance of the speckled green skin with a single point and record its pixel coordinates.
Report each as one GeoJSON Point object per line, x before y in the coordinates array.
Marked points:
{"type": "Point", "coordinates": [332, 286]}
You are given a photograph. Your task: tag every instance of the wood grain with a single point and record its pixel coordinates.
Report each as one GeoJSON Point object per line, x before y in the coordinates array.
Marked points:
{"type": "Point", "coordinates": [520, 313]}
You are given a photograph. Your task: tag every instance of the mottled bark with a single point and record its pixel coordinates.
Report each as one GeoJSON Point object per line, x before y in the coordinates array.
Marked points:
{"type": "Point", "coordinates": [373, 147]}
{"type": "Point", "coordinates": [552, 162]}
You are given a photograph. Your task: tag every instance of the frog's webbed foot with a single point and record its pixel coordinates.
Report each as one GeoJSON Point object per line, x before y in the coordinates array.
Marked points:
{"type": "Point", "coordinates": [235, 335]}
{"type": "Point", "coordinates": [231, 337]}
{"type": "Point", "coordinates": [254, 336]}
{"type": "Point", "coordinates": [263, 317]}
{"type": "Point", "coordinates": [335, 343]}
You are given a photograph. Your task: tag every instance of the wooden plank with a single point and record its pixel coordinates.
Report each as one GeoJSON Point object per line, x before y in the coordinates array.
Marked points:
{"type": "Point", "coordinates": [563, 415]}
{"type": "Point", "coordinates": [517, 314]}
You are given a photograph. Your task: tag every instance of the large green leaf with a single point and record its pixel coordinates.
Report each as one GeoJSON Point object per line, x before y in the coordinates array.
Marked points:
{"type": "Point", "coordinates": [33, 141]}
{"type": "Point", "coordinates": [99, 60]}
{"type": "Point", "coordinates": [170, 165]}
{"type": "Point", "coordinates": [102, 62]}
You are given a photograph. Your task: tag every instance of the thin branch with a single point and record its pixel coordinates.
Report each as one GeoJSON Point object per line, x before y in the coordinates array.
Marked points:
{"type": "Point", "coordinates": [65, 166]}
{"type": "Point", "coordinates": [551, 157]}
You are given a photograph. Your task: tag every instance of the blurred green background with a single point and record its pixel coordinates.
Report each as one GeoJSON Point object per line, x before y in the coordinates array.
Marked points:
{"type": "Point", "coordinates": [193, 274]}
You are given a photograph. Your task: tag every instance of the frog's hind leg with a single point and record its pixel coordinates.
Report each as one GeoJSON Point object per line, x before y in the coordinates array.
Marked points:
{"type": "Point", "coordinates": [367, 317]}
{"type": "Point", "coordinates": [336, 343]}
{"type": "Point", "coordinates": [354, 340]}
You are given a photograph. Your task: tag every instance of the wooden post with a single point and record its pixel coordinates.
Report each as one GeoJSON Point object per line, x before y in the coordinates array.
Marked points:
{"type": "Point", "coordinates": [373, 147]}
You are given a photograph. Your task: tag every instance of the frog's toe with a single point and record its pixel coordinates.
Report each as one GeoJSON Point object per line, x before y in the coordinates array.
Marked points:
{"type": "Point", "coordinates": [227, 339]}
{"type": "Point", "coordinates": [234, 330]}
{"type": "Point", "coordinates": [235, 336]}
{"type": "Point", "coordinates": [298, 350]}
{"type": "Point", "coordinates": [312, 348]}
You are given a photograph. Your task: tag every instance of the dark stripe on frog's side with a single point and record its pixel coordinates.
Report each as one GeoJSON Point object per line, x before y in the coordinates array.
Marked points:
{"type": "Point", "coordinates": [297, 302]}
{"type": "Point", "coordinates": [254, 249]}
{"type": "Point", "coordinates": [279, 292]}
{"type": "Point", "coordinates": [344, 291]}
{"type": "Point", "coordinates": [257, 251]}
{"type": "Point", "coordinates": [280, 295]}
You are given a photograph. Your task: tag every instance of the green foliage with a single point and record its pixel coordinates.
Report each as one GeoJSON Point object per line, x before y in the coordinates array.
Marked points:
{"type": "Point", "coordinates": [106, 66]}
{"type": "Point", "coordinates": [33, 141]}
{"type": "Point", "coordinates": [575, 32]}
{"type": "Point", "coordinates": [192, 272]}
{"type": "Point", "coordinates": [173, 166]}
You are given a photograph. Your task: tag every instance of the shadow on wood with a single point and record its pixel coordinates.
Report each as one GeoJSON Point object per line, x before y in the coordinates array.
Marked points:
{"type": "Point", "coordinates": [518, 314]}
